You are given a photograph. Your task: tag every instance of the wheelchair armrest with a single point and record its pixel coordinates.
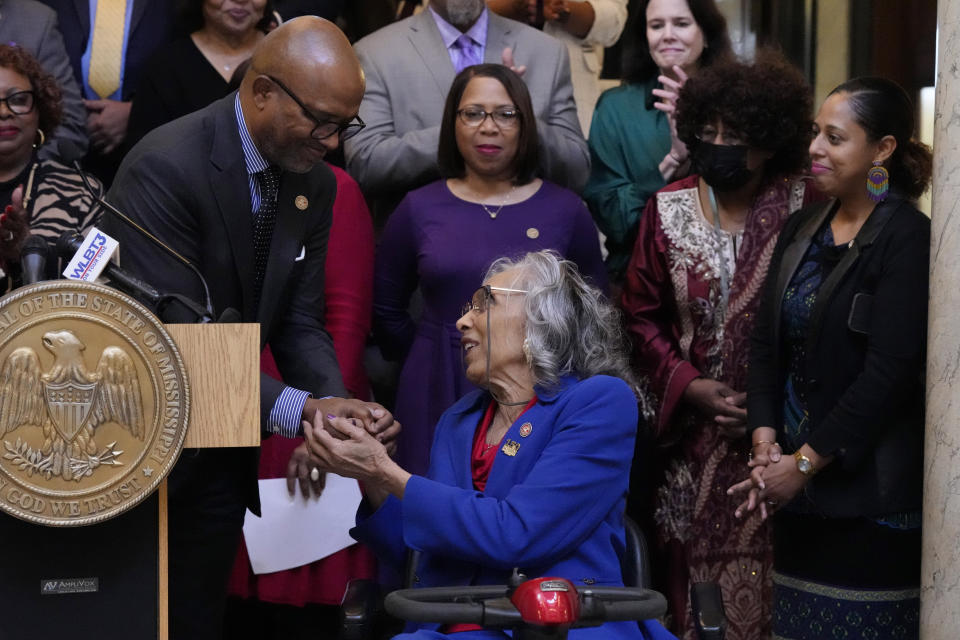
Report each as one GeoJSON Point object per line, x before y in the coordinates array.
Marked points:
{"type": "Point", "coordinates": [360, 609]}
{"type": "Point", "coordinates": [709, 617]}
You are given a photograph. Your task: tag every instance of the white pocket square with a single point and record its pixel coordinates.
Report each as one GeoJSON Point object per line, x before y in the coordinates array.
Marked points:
{"type": "Point", "coordinates": [303, 254]}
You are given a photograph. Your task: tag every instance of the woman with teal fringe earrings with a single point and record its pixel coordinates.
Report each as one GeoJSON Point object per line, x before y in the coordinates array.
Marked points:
{"type": "Point", "coordinates": [835, 385]}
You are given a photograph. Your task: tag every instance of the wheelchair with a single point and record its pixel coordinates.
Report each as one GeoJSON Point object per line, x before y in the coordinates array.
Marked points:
{"type": "Point", "coordinates": [534, 609]}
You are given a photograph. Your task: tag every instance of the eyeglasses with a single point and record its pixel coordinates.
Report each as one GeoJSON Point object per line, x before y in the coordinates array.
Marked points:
{"type": "Point", "coordinates": [324, 128]}
{"type": "Point", "coordinates": [483, 296]}
{"type": "Point", "coordinates": [504, 117]}
{"type": "Point", "coordinates": [20, 103]}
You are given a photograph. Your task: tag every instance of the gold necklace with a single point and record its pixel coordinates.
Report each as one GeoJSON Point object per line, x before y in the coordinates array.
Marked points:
{"type": "Point", "coordinates": [494, 212]}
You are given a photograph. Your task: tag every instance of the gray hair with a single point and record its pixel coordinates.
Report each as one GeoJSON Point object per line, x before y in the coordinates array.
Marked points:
{"type": "Point", "coordinates": [571, 327]}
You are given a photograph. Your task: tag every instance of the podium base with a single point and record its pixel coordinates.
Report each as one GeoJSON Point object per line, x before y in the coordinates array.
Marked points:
{"type": "Point", "coordinates": [100, 581]}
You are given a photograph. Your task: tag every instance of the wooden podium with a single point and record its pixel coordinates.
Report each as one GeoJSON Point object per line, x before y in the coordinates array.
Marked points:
{"type": "Point", "coordinates": [223, 368]}
{"type": "Point", "coordinates": [223, 371]}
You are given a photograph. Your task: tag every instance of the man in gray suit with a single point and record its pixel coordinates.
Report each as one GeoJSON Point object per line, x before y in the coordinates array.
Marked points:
{"type": "Point", "coordinates": [409, 67]}
{"type": "Point", "coordinates": [33, 27]}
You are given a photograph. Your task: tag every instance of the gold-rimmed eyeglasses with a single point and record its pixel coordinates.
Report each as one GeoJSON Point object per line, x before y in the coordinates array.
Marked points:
{"type": "Point", "coordinates": [483, 296]}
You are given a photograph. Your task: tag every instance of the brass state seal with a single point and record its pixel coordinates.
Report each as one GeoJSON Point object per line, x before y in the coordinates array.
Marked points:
{"type": "Point", "coordinates": [94, 402]}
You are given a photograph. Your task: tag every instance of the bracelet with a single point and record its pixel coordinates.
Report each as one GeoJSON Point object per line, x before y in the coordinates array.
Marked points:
{"type": "Point", "coordinates": [759, 442]}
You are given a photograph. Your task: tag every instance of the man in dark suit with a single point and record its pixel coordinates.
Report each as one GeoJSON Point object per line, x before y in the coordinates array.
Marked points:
{"type": "Point", "coordinates": [144, 25]}
{"type": "Point", "coordinates": [240, 189]}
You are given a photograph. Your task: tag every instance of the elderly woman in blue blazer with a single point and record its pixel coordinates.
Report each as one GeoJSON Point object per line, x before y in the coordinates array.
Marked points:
{"type": "Point", "coordinates": [528, 471]}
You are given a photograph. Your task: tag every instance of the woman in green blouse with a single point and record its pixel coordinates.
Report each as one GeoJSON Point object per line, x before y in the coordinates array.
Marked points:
{"type": "Point", "coordinates": [634, 147]}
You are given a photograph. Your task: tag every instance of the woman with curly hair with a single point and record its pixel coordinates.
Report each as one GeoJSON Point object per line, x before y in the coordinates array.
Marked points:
{"type": "Point", "coordinates": [690, 297]}
{"type": "Point", "coordinates": [42, 197]}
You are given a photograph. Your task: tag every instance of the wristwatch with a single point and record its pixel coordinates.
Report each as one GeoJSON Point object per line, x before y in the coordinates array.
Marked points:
{"type": "Point", "coordinates": [804, 464]}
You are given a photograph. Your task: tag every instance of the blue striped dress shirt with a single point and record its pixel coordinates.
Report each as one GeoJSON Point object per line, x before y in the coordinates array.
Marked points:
{"type": "Point", "coordinates": [286, 414]}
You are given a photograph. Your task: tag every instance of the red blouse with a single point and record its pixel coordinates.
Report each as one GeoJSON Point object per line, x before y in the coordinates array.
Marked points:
{"type": "Point", "coordinates": [481, 460]}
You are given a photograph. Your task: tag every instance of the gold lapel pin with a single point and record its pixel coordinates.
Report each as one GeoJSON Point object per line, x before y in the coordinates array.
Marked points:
{"type": "Point", "coordinates": [302, 203]}
{"type": "Point", "coordinates": [511, 447]}
{"type": "Point", "coordinates": [533, 233]}
{"type": "Point", "coordinates": [525, 429]}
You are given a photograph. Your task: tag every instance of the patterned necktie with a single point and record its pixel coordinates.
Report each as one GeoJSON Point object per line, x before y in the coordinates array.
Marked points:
{"type": "Point", "coordinates": [263, 223]}
{"type": "Point", "coordinates": [106, 49]}
{"type": "Point", "coordinates": [465, 52]}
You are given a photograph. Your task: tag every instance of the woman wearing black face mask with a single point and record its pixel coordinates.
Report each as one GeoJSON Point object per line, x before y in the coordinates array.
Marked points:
{"type": "Point", "coordinates": [691, 292]}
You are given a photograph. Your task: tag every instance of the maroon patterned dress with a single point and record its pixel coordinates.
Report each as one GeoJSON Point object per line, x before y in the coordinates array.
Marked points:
{"type": "Point", "coordinates": [672, 301]}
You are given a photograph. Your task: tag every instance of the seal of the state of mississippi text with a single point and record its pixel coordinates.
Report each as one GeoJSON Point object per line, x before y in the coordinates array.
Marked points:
{"type": "Point", "coordinates": [94, 403]}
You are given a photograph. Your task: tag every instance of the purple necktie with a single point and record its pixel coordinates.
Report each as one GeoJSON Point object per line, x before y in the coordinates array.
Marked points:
{"type": "Point", "coordinates": [464, 52]}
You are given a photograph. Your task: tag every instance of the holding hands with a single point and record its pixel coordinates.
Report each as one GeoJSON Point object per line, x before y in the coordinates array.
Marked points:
{"type": "Point", "coordinates": [370, 417]}
{"type": "Point", "coordinates": [343, 446]}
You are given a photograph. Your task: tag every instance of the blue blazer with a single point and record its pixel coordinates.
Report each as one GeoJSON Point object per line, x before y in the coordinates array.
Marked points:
{"type": "Point", "coordinates": [555, 508]}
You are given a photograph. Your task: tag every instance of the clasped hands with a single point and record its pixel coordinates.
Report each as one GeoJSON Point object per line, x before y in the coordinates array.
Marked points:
{"type": "Point", "coordinates": [331, 415]}
{"type": "Point", "coordinates": [722, 403]}
{"type": "Point", "coordinates": [774, 479]}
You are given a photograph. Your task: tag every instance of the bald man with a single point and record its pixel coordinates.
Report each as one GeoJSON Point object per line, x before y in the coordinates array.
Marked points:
{"type": "Point", "coordinates": [240, 189]}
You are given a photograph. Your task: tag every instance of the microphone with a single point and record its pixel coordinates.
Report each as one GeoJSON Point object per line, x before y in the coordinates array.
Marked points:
{"type": "Point", "coordinates": [69, 150]}
{"type": "Point", "coordinates": [69, 243]}
{"type": "Point", "coordinates": [33, 259]}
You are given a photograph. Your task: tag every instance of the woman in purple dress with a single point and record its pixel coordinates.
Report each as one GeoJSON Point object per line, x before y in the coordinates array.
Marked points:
{"type": "Point", "coordinates": [443, 236]}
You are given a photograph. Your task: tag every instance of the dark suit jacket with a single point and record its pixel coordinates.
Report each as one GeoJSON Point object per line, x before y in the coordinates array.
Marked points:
{"type": "Point", "coordinates": [865, 355]}
{"type": "Point", "coordinates": [151, 25]}
{"type": "Point", "coordinates": [186, 182]}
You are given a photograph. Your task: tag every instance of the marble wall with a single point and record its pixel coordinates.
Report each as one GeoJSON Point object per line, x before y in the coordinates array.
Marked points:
{"type": "Point", "coordinates": [940, 579]}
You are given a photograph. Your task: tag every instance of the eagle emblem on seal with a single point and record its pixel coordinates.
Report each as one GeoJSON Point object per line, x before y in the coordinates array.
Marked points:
{"type": "Point", "coordinates": [68, 403]}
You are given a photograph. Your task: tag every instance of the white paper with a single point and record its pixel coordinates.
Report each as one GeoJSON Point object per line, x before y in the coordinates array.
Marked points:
{"type": "Point", "coordinates": [297, 531]}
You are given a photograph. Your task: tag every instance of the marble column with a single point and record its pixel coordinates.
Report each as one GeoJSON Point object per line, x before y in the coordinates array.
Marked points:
{"type": "Point", "coordinates": [940, 576]}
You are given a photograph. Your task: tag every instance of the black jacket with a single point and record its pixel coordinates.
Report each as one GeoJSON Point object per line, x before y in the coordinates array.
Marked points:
{"type": "Point", "coordinates": [865, 358]}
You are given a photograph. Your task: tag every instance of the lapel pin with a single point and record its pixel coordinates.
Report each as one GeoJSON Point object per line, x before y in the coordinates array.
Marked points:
{"type": "Point", "coordinates": [302, 203]}
{"type": "Point", "coordinates": [525, 429]}
{"type": "Point", "coordinates": [533, 233]}
{"type": "Point", "coordinates": [511, 447]}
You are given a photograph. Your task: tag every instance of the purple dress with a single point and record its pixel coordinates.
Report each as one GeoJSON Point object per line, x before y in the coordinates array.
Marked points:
{"type": "Point", "coordinates": [444, 245]}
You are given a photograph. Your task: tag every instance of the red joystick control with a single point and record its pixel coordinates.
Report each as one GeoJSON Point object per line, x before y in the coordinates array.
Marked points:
{"type": "Point", "coordinates": [547, 602]}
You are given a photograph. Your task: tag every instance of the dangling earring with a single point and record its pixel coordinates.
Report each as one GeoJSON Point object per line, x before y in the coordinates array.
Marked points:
{"type": "Point", "coordinates": [878, 182]}
{"type": "Point", "coordinates": [43, 138]}
{"type": "Point", "coordinates": [526, 351]}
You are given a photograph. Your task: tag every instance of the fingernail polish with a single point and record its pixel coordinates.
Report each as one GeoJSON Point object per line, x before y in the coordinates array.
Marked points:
{"type": "Point", "coordinates": [330, 416]}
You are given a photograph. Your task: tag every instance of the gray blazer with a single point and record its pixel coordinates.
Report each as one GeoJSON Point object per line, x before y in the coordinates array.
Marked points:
{"type": "Point", "coordinates": [409, 73]}
{"type": "Point", "coordinates": [33, 26]}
